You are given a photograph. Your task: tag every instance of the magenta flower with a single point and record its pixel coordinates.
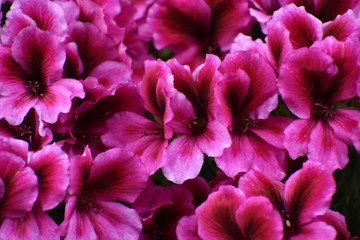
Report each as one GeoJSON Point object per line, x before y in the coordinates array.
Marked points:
{"type": "Point", "coordinates": [45, 15]}
{"type": "Point", "coordinates": [195, 125]}
{"type": "Point", "coordinates": [96, 186]}
{"type": "Point", "coordinates": [20, 186]}
{"type": "Point", "coordinates": [160, 208]}
{"type": "Point", "coordinates": [324, 10]}
{"type": "Point", "coordinates": [194, 28]}
{"type": "Point", "coordinates": [247, 96]}
{"type": "Point", "coordinates": [228, 214]}
{"type": "Point", "coordinates": [304, 197]}
{"type": "Point", "coordinates": [312, 83]}
{"type": "Point", "coordinates": [337, 221]}
{"type": "Point", "coordinates": [147, 138]}
{"type": "Point", "coordinates": [31, 77]}
{"type": "Point", "coordinates": [51, 168]}
{"type": "Point", "coordinates": [291, 28]}
{"type": "Point", "coordinates": [31, 130]}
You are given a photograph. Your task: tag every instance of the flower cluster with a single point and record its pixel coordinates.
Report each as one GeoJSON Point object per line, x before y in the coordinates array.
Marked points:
{"type": "Point", "coordinates": [157, 119]}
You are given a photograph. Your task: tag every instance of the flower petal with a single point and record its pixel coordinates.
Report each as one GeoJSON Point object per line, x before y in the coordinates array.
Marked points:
{"type": "Point", "coordinates": [51, 165]}
{"type": "Point", "coordinates": [308, 193]}
{"type": "Point", "coordinates": [184, 159]}
{"type": "Point", "coordinates": [187, 228]}
{"type": "Point", "coordinates": [315, 230]}
{"type": "Point", "coordinates": [116, 175]}
{"type": "Point", "coordinates": [337, 221]}
{"type": "Point", "coordinates": [217, 215]}
{"type": "Point", "coordinates": [255, 224]}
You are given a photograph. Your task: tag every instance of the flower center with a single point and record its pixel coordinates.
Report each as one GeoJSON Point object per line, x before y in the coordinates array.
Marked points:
{"type": "Point", "coordinates": [324, 112]}
{"type": "Point", "coordinates": [197, 125]}
{"type": "Point", "coordinates": [244, 125]}
{"type": "Point", "coordinates": [35, 88]}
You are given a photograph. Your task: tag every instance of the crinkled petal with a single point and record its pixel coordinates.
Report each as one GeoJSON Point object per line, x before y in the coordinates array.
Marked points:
{"type": "Point", "coordinates": [337, 221]}
{"type": "Point", "coordinates": [20, 228]}
{"type": "Point", "coordinates": [343, 123]}
{"type": "Point", "coordinates": [51, 165]}
{"type": "Point", "coordinates": [342, 27]}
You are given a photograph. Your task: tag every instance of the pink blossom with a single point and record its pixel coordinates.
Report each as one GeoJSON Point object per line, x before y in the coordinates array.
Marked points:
{"type": "Point", "coordinates": [31, 77]}
{"type": "Point", "coordinates": [147, 138]}
{"type": "Point", "coordinates": [228, 214]}
{"type": "Point", "coordinates": [195, 123]}
{"type": "Point", "coordinates": [45, 15]}
{"type": "Point", "coordinates": [247, 96]}
{"type": "Point", "coordinates": [312, 82]}
{"type": "Point", "coordinates": [193, 29]}
{"type": "Point", "coordinates": [304, 197]}
{"type": "Point", "coordinates": [96, 186]}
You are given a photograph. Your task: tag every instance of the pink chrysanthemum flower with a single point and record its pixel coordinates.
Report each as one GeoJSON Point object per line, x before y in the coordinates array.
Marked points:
{"type": "Point", "coordinates": [31, 77]}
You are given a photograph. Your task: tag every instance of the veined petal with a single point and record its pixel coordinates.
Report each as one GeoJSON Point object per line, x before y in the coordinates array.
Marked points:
{"type": "Point", "coordinates": [51, 165]}
{"type": "Point", "coordinates": [40, 55]}
{"type": "Point", "coordinates": [297, 137]}
{"type": "Point", "coordinates": [342, 27]}
{"type": "Point", "coordinates": [217, 215]}
{"type": "Point", "coordinates": [345, 56]}
{"type": "Point", "coordinates": [255, 224]}
{"type": "Point", "coordinates": [21, 189]}
{"type": "Point", "coordinates": [343, 124]}
{"type": "Point", "coordinates": [116, 175]}
{"type": "Point", "coordinates": [261, 89]}
{"type": "Point", "coordinates": [237, 158]}
{"type": "Point", "coordinates": [308, 193]}
{"type": "Point", "coordinates": [178, 22]}
{"type": "Point", "coordinates": [139, 135]}
{"type": "Point", "coordinates": [184, 159]}
{"type": "Point", "coordinates": [304, 78]}
{"type": "Point", "coordinates": [115, 221]}
{"type": "Point", "coordinates": [228, 18]}
{"type": "Point", "coordinates": [2, 188]}
{"type": "Point", "coordinates": [304, 29]}
{"type": "Point", "coordinates": [214, 139]}
{"type": "Point", "coordinates": [255, 183]}
{"type": "Point", "coordinates": [20, 228]}
{"type": "Point", "coordinates": [15, 107]}
{"type": "Point", "coordinates": [45, 15]}
{"type": "Point", "coordinates": [326, 148]}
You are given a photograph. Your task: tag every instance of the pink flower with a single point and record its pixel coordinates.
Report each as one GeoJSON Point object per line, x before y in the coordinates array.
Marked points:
{"type": "Point", "coordinates": [304, 197]}
{"type": "Point", "coordinates": [20, 186]}
{"type": "Point", "coordinates": [247, 96]}
{"type": "Point", "coordinates": [312, 82]}
{"type": "Point", "coordinates": [324, 10]}
{"type": "Point", "coordinates": [193, 29]}
{"type": "Point", "coordinates": [146, 138]}
{"type": "Point", "coordinates": [195, 123]}
{"type": "Point", "coordinates": [337, 221]}
{"type": "Point", "coordinates": [228, 214]}
{"type": "Point", "coordinates": [31, 77]}
{"type": "Point", "coordinates": [160, 208]}
{"type": "Point", "coordinates": [45, 15]}
{"type": "Point", "coordinates": [31, 130]}
{"type": "Point", "coordinates": [96, 186]}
